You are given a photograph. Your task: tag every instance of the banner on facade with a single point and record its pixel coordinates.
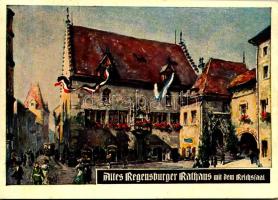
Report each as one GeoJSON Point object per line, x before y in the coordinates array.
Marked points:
{"type": "Point", "coordinates": [188, 140]}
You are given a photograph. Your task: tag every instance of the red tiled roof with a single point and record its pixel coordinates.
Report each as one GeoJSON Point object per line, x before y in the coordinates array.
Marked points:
{"type": "Point", "coordinates": [35, 93]}
{"type": "Point", "coordinates": [243, 78]}
{"type": "Point", "coordinates": [134, 59]}
{"type": "Point", "coordinates": [217, 76]}
{"type": "Point", "coordinates": [261, 36]}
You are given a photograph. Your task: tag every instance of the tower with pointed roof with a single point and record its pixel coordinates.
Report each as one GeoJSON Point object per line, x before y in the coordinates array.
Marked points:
{"type": "Point", "coordinates": [35, 103]}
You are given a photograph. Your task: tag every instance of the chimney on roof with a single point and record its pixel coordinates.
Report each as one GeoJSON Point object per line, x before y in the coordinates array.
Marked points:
{"type": "Point", "coordinates": [181, 37]}
{"type": "Point", "coordinates": [243, 57]}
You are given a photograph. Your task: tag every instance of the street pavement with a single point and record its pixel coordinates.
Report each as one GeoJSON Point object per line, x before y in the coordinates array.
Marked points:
{"type": "Point", "coordinates": [62, 174]}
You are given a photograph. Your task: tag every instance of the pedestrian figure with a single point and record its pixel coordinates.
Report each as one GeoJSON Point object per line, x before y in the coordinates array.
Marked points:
{"type": "Point", "coordinates": [196, 163]}
{"type": "Point", "coordinates": [222, 158]}
{"type": "Point", "coordinates": [18, 173]}
{"type": "Point", "coordinates": [211, 160]}
{"type": "Point", "coordinates": [87, 174]}
{"type": "Point", "coordinates": [79, 178]}
{"type": "Point", "coordinates": [37, 174]}
{"type": "Point", "coordinates": [252, 157]}
{"type": "Point", "coordinates": [13, 158]}
{"type": "Point", "coordinates": [215, 161]}
{"type": "Point", "coordinates": [45, 171]}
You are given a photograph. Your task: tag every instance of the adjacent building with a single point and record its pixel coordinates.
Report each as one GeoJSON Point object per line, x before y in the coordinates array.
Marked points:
{"type": "Point", "coordinates": [9, 83]}
{"type": "Point", "coordinates": [206, 108]}
{"type": "Point", "coordinates": [27, 131]}
{"type": "Point", "coordinates": [35, 103]}
{"type": "Point", "coordinates": [263, 43]}
{"type": "Point", "coordinates": [244, 115]}
{"type": "Point", "coordinates": [123, 113]}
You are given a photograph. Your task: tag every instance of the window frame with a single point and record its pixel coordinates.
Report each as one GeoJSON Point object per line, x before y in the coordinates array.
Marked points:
{"type": "Point", "coordinates": [267, 73]}
{"type": "Point", "coordinates": [194, 119]}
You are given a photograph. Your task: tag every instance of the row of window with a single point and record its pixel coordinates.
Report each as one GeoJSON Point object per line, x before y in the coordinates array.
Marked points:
{"type": "Point", "coordinates": [193, 117]}
{"type": "Point", "coordinates": [244, 107]}
{"type": "Point", "coordinates": [106, 97]}
{"type": "Point", "coordinates": [116, 116]}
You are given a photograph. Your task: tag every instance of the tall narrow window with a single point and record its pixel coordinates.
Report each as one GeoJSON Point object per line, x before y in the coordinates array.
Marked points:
{"type": "Point", "coordinates": [185, 118]}
{"type": "Point", "coordinates": [265, 51]}
{"type": "Point", "coordinates": [263, 105]}
{"type": "Point", "coordinates": [264, 148]}
{"type": "Point", "coordinates": [265, 72]}
{"type": "Point", "coordinates": [243, 108]}
{"type": "Point", "coordinates": [193, 117]}
{"type": "Point", "coordinates": [123, 117]}
{"type": "Point", "coordinates": [175, 117]}
{"type": "Point", "coordinates": [100, 116]}
{"type": "Point", "coordinates": [106, 95]}
{"type": "Point", "coordinates": [168, 99]}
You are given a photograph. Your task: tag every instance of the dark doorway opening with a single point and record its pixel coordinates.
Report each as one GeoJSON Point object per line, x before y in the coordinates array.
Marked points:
{"type": "Point", "coordinates": [247, 144]}
{"type": "Point", "coordinates": [264, 148]}
{"type": "Point", "coordinates": [217, 142]}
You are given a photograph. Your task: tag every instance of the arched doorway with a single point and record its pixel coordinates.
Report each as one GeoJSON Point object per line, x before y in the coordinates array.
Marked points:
{"type": "Point", "coordinates": [247, 144]}
{"type": "Point", "coordinates": [217, 142]}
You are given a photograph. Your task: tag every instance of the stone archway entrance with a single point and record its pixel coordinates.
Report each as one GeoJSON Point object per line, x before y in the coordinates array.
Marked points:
{"type": "Point", "coordinates": [247, 144]}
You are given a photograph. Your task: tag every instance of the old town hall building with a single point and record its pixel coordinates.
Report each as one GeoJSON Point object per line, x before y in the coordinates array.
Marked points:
{"type": "Point", "coordinates": [122, 116]}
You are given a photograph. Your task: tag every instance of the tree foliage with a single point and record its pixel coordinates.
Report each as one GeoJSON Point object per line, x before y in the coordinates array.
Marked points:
{"type": "Point", "coordinates": [232, 141]}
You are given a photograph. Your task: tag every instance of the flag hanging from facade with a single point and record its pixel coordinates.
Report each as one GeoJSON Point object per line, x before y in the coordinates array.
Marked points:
{"type": "Point", "coordinates": [160, 95]}
{"type": "Point", "coordinates": [66, 83]}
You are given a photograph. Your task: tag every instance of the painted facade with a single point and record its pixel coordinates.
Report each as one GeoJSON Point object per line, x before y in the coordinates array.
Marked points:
{"type": "Point", "coordinates": [122, 113]}
{"type": "Point", "coordinates": [35, 103]}
{"type": "Point", "coordinates": [9, 83]}
{"type": "Point", "coordinates": [244, 115]}
{"type": "Point", "coordinates": [26, 129]}
{"type": "Point", "coordinates": [263, 43]}
{"type": "Point", "coordinates": [208, 101]}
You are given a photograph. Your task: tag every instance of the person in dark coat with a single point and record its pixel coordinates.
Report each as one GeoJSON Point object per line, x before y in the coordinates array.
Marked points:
{"type": "Point", "coordinates": [18, 173]}
{"type": "Point", "coordinates": [87, 174]}
{"type": "Point", "coordinates": [37, 174]}
{"type": "Point", "coordinates": [222, 158]}
{"type": "Point", "coordinates": [215, 161]}
{"type": "Point", "coordinates": [196, 163]}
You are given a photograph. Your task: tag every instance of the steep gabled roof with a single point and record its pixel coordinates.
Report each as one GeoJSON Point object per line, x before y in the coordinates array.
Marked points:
{"type": "Point", "coordinates": [35, 93]}
{"type": "Point", "coordinates": [244, 78]}
{"type": "Point", "coordinates": [217, 75]}
{"type": "Point", "coordinates": [135, 60]}
{"type": "Point", "coordinates": [261, 36]}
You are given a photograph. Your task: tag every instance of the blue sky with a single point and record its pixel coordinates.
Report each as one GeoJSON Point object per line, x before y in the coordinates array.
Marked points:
{"type": "Point", "coordinates": [208, 32]}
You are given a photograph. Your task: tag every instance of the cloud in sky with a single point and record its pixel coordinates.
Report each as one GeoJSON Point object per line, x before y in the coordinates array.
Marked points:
{"type": "Point", "coordinates": [208, 32]}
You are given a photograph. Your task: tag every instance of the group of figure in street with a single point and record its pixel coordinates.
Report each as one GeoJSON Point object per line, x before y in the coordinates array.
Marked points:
{"type": "Point", "coordinates": [84, 172]}
{"type": "Point", "coordinates": [39, 173]}
{"type": "Point", "coordinates": [205, 164]}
